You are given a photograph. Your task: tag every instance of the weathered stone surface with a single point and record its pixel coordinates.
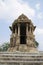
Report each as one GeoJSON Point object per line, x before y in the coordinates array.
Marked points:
{"type": "Point", "coordinates": [22, 23]}
{"type": "Point", "coordinates": [21, 58]}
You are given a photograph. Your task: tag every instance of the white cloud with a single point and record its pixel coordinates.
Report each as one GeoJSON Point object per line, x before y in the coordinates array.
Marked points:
{"type": "Point", "coordinates": [37, 6]}
{"type": "Point", "coordinates": [39, 31]}
{"type": "Point", "coordinates": [38, 9]}
{"type": "Point", "coordinates": [13, 8]}
{"type": "Point", "coordinates": [40, 15]}
{"type": "Point", "coordinates": [3, 9]}
{"type": "Point", "coordinates": [39, 37]}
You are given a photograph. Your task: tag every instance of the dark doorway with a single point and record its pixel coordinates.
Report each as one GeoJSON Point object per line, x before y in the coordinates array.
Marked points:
{"type": "Point", "coordinates": [23, 33]}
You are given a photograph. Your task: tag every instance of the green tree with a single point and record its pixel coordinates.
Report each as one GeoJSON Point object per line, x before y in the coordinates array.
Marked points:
{"type": "Point", "coordinates": [0, 48]}
{"type": "Point", "coordinates": [5, 46]}
{"type": "Point", "coordinates": [36, 43]}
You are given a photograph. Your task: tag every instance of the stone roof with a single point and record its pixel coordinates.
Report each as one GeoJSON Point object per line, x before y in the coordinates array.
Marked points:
{"type": "Point", "coordinates": [22, 18]}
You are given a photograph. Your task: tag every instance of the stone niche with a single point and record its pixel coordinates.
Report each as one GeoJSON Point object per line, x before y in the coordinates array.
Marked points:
{"type": "Point", "coordinates": [22, 37]}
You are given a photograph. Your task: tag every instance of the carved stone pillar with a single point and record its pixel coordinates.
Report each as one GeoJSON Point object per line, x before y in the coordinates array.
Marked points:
{"type": "Point", "coordinates": [14, 40]}
{"type": "Point", "coordinates": [26, 29]}
{"type": "Point", "coordinates": [27, 33]}
{"type": "Point", "coordinates": [18, 36]}
{"type": "Point", "coordinates": [18, 29]}
{"type": "Point", "coordinates": [15, 31]}
{"type": "Point", "coordinates": [30, 28]}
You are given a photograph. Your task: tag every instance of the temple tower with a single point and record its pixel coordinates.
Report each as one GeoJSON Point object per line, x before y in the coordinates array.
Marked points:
{"type": "Point", "coordinates": [22, 37]}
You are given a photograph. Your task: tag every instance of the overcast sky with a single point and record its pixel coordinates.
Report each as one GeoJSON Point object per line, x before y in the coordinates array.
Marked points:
{"type": "Point", "coordinates": [11, 9]}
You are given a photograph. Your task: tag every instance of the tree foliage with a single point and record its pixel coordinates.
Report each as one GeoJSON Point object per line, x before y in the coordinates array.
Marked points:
{"type": "Point", "coordinates": [36, 43]}
{"type": "Point", "coordinates": [4, 47]}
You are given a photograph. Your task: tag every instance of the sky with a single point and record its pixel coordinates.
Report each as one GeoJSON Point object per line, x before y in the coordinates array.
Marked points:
{"type": "Point", "coordinates": [11, 9]}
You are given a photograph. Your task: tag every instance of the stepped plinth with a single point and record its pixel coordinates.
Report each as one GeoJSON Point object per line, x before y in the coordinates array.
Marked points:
{"type": "Point", "coordinates": [21, 58]}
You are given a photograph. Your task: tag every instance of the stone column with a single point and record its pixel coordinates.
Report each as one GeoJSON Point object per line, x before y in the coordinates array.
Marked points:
{"type": "Point", "coordinates": [18, 29]}
{"type": "Point", "coordinates": [26, 29]}
{"type": "Point", "coordinates": [18, 36]}
{"type": "Point", "coordinates": [14, 40]}
{"type": "Point", "coordinates": [30, 28]}
{"type": "Point", "coordinates": [27, 33]}
{"type": "Point", "coordinates": [15, 31]}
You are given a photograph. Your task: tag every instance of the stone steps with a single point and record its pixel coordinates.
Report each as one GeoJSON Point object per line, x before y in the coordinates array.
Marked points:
{"type": "Point", "coordinates": [20, 57]}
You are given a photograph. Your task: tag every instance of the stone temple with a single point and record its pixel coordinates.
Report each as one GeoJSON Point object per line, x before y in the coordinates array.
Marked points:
{"type": "Point", "coordinates": [22, 37]}
{"type": "Point", "coordinates": [22, 50]}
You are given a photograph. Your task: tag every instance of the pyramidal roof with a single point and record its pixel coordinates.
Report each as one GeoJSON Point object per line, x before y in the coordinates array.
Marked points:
{"type": "Point", "coordinates": [22, 18]}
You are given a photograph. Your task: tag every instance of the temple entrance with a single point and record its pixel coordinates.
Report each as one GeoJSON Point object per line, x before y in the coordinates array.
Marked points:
{"type": "Point", "coordinates": [23, 33]}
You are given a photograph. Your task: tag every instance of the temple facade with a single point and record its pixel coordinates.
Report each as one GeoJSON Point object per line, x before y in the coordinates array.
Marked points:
{"type": "Point", "coordinates": [22, 37]}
